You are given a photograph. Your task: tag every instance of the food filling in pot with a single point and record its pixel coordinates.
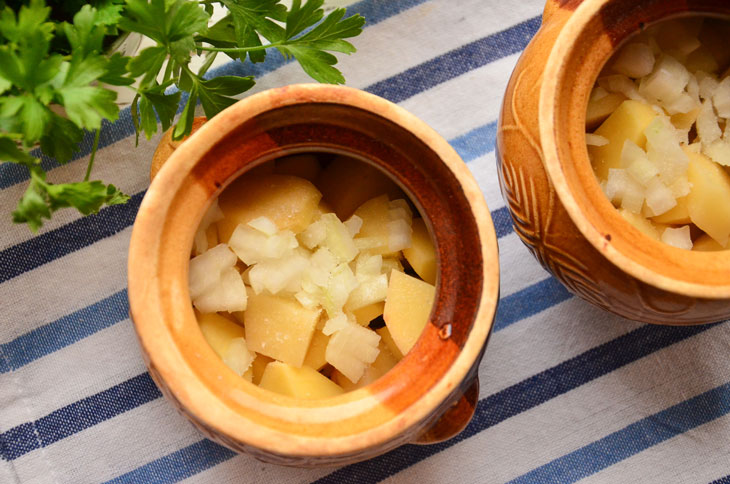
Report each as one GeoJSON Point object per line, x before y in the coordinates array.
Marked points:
{"type": "Point", "coordinates": [310, 275]}
{"type": "Point", "coordinates": [658, 134]}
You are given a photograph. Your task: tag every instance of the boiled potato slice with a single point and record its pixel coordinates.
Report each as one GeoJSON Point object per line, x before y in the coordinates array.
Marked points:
{"type": "Point", "coordinates": [421, 255]}
{"type": "Point", "coordinates": [709, 201]}
{"type": "Point", "coordinates": [256, 371]}
{"type": "Point", "coordinates": [365, 183]}
{"type": "Point", "coordinates": [389, 342]}
{"type": "Point", "coordinates": [382, 365]}
{"type": "Point", "coordinates": [279, 327]}
{"type": "Point", "coordinates": [627, 122]}
{"type": "Point", "coordinates": [365, 314]}
{"type": "Point", "coordinates": [407, 308]}
{"type": "Point", "coordinates": [315, 354]}
{"type": "Point", "coordinates": [288, 201]}
{"type": "Point", "coordinates": [304, 166]}
{"type": "Point", "coordinates": [375, 215]}
{"type": "Point", "coordinates": [219, 331]}
{"type": "Point", "coordinates": [707, 244]}
{"type": "Point", "coordinates": [305, 383]}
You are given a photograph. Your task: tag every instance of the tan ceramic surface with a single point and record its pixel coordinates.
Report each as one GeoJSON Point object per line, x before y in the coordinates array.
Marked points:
{"type": "Point", "coordinates": [403, 406]}
{"type": "Point", "coordinates": [557, 207]}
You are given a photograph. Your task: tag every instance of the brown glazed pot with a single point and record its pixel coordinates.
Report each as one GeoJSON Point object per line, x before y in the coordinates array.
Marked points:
{"type": "Point", "coordinates": [431, 394]}
{"type": "Point", "coordinates": [557, 206]}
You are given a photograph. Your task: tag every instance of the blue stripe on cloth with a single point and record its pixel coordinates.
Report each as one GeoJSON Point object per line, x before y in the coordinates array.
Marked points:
{"type": "Point", "coordinates": [502, 222]}
{"type": "Point", "coordinates": [526, 395]}
{"type": "Point", "coordinates": [374, 11]}
{"type": "Point", "coordinates": [722, 480]}
{"type": "Point", "coordinates": [476, 142]}
{"type": "Point", "coordinates": [64, 331]}
{"type": "Point", "coordinates": [78, 416]}
{"type": "Point", "coordinates": [490, 411]}
{"type": "Point", "coordinates": [179, 465]}
{"type": "Point", "coordinates": [633, 439]}
{"type": "Point", "coordinates": [457, 62]}
{"type": "Point", "coordinates": [80, 233]}
{"type": "Point", "coordinates": [529, 301]}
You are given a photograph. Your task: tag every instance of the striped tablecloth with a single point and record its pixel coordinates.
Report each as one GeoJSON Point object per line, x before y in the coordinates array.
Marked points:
{"type": "Point", "coordinates": [568, 392]}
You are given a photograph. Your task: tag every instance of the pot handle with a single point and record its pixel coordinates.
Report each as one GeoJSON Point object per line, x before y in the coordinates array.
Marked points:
{"type": "Point", "coordinates": [166, 146]}
{"type": "Point", "coordinates": [454, 419]}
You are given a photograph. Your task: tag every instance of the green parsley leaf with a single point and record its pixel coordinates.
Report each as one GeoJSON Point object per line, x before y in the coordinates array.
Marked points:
{"type": "Point", "coordinates": [62, 138]}
{"type": "Point", "coordinates": [185, 123]}
{"type": "Point", "coordinates": [116, 71]}
{"type": "Point", "coordinates": [9, 151]}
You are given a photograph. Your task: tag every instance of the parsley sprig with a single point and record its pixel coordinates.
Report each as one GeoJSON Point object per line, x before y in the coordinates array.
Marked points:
{"type": "Point", "coordinates": [55, 76]}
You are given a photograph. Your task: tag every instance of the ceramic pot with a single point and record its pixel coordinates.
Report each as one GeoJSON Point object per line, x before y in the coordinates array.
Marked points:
{"type": "Point", "coordinates": [430, 395]}
{"type": "Point", "coordinates": [557, 206]}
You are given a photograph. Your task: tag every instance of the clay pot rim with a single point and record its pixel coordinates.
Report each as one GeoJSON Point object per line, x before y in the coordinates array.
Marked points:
{"type": "Point", "coordinates": [168, 359]}
{"type": "Point", "coordinates": [548, 104]}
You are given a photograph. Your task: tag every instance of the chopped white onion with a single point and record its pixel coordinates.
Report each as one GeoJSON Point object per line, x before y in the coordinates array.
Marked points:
{"type": "Point", "coordinates": [596, 140]}
{"type": "Point", "coordinates": [667, 81]}
{"type": "Point", "coordinates": [708, 129]}
{"type": "Point", "coordinates": [679, 237]}
{"type": "Point", "coordinates": [264, 225]}
{"type": "Point", "coordinates": [664, 151]}
{"type": "Point", "coordinates": [719, 152]}
{"type": "Point", "coordinates": [635, 60]}
{"type": "Point", "coordinates": [238, 357]}
{"type": "Point", "coordinates": [659, 198]}
{"type": "Point", "coordinates": [353, 224]}
{"type": "Point", "coordinates": [721, 98]}
{"type": "Point", "coordinates": [205, 270]}
{"type": "Point", "coordinates": [228, 294]}
{"type": "Point", "coordinates": [213, 215]}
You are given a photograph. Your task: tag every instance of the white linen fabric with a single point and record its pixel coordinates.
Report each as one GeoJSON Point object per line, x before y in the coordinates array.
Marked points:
{"type": "Point", "coordinates": [568, 392]}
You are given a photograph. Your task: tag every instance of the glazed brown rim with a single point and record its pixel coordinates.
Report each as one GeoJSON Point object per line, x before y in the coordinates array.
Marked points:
{"type": "Point", "coordinates": [171, 365]}
{"type": "Point", "coordinates": [570, 171]}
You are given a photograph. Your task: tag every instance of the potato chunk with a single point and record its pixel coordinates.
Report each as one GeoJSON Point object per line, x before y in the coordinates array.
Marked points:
{"type": "Point", "coordinates": [366, 183]}
{"type": "Point", "coordinates": [421, 255]}
{"type": "Point", "coordinates": [316, 353]}
{"type": "Point", "coordinates": [279, 327]}
{"type": "Point", "coordinates": [627, 122]}
{"type": "Point", "coordinates": [227, 340]}
{"type": "Point", "coordinates": [304, 382]}
{"type": "Point", "coordinates": [407, 308]}
{"type": "Point", "coordinates": [290, 202]}
{"type": "Point", "coordinates": [709, 201]}
{"type": "Point", "coordinates": [304, 166]}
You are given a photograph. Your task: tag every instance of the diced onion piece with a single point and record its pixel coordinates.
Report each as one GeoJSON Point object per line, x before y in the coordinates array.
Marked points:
{"type": "Point", "coordinates": [635, 60]}
{"type": "Point", "coordinates": [306, 299]}
{"type": "Point", "coordinates": [399, 208]}
{"type": "Point", "coordinates": [341, 283]}
{"type": "Point", "coordinates": [276, 275]}
{"type": "Point", "coordinates": [367, 266]}
{"type": "Point", "coordinates": [314, 234]}
{"type": "Point", "coordinates": [708, 129]}
{"type": "Point", "coordinates": [370, 291]}
{"type": "Point", "coordinates": [621, 84]}
{"type": "Point", "coordinates": [721, 98]}
{"type": "Point", "coordinates": [353, 224]}
{"type": "Point", "coordinates": [708, 84]}
{"type": "Point", "coordinates": [719, 152]}
{"type": "Point", "coordinates": [667, 81]}
{"type": "Point", "coordinates": [335, 324]}
{"type": "Point", "coordinates": [229, 294]}
{"type": "Point", "coordinates": [263, 225]}
{"type": "Point", "coordinates": [351, 349]}
{"type": "Point", "coordinates": [682, 103]}
{"type": "Point", "coordinates": [637, 163]}
{"type": "Point", "coordinates": [596, 140]}
{"type": "Point", "coordinates": [681, 187]}
{"type": "Point", "coordinates": [618, 178]}
{"type": "Point", "coordinates": [679, 237]}
{"type": "Point", "coordinates": [322, 263]}
{"type": "Point", "coordinates": [338, 239]}
{"type": "Point", "coordinates": [664, 150]}
{"type": "Point", "coordinates": [659, 198]}
{"type": "Point", "coordinates": [252, 246]}
{"type": "Point", "coordinates": [399, 235]}
{"type": "Point", "coordinates": [238, 357]}
{"type": "Point", "coordinates": [205, 270]}
{"type": "Point", "coordinates": [633, 196]}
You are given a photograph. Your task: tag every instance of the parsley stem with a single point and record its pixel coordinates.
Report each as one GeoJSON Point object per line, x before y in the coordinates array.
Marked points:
{"type": "Point", "coordinates": [235, 50]}
{"type": "Point", "coordinates": [93, 154]}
